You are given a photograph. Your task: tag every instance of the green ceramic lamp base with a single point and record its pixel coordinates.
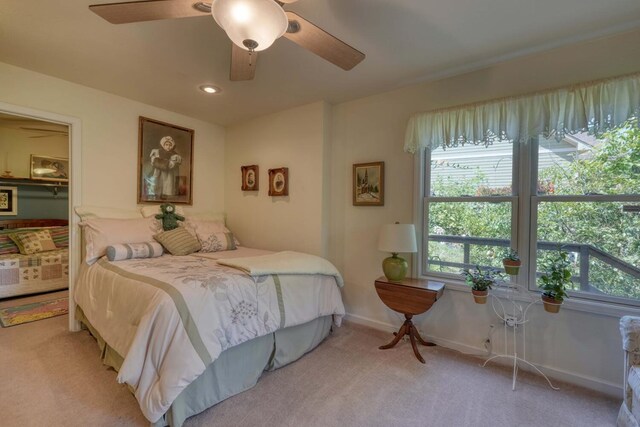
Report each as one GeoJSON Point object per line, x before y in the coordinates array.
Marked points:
{"type": "Point", "coordinates": [395, 268]}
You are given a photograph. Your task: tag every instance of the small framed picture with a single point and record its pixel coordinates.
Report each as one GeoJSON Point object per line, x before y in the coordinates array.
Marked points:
{"type": "Point", "coordinates": [249, 178]}
{"type": "Point", "coordinates": [165, 162]}
{"type": "Point", "coordinates": [8, 200]}
{"type": "Point", "coordinates": [368, 184]}
{"type": "Point", "coordinates": [279, 182]}
{"type": "Point", "coordinates": [47, 168]}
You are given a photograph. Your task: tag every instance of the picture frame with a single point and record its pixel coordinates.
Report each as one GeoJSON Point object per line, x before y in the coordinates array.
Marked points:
{"type": "Point", "coordinates": [250, 178]}
{"type": "Point", "coordinates": [47, 168]}
{"type": "Point", "coordinates": [165, 162]}
{"type": "Point", "coordinates": [279, 182]}
{"type": "Point", "coordinates": [8, 200]}
{"type": "Point", "coordinates": [368, 184]}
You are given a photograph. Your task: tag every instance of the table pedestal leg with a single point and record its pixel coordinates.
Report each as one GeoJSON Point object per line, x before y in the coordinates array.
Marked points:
{"type": "Point", "coordinates": [408, 328]}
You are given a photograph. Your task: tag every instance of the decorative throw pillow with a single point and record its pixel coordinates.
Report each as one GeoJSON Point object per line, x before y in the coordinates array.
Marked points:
{"type": "Point", "coordinates": [134, 250]}
{"type": "Point", "coordinates": [7, 246]}
{"type": "Point", "coordinates": [205, 229]}
{"type": "Point", "coordinates": [216, 242]}
{"type": "Point", "coordinates": [33, 242]}
{"type": "Point", "coordinates": [60, 236]}
{"type": "Point", "coordinates": [178, 241]}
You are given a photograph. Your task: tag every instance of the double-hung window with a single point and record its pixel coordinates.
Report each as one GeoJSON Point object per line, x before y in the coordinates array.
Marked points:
{"type": "Point", "coordinates": [576, 189]}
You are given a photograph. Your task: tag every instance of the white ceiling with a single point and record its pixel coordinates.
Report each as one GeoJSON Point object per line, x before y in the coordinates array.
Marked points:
{"type": "Point", "coordinates": [162, 63]}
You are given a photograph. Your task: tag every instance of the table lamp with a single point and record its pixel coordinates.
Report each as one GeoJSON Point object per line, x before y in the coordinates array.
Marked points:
{"type": "Point", "coordinates": [396, 238]}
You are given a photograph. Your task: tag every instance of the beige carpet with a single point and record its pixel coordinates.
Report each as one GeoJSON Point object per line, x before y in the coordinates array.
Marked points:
{"type": "Point", "coordinates": [49, 376]}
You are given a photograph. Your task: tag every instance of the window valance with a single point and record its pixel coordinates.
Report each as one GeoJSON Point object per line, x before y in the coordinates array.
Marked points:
{"type": "Point", "coordinates": [593, 107]}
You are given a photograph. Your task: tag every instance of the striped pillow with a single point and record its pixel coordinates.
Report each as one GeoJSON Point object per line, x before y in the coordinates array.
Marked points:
{"type": "Point", "coordinates": [7, 246]}
{"type": "Point", "coordinates": [134, 251]}
{"type": "Point", "coordinates": [178, 241]}
{"type": "Point", "coordinates": [60, 236]}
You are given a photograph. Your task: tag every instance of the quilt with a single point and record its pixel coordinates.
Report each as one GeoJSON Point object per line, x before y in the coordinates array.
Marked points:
{"type": "Point", "coordinates": [170, 317]}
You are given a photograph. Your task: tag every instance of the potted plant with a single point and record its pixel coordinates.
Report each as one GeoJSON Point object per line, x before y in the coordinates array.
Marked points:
{"type": "Point", "coordinates": [511, 262]}
{"type": "Point", "coordinates": [480, 282]}
{"type": "Point", "coordinates": [555, 281]}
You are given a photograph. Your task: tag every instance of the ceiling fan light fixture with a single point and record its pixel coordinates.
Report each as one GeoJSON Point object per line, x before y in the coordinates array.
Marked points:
{"type": "Point", "coordinates": [252, 25]}
{"type": "Point", "coordinates": [210, 89]}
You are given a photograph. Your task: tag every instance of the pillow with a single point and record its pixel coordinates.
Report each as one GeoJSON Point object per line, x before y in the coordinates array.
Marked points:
{"type": "Point", "coordinates": [134, 250]}
{"type": "Point", "coordinates": [178, 241]}
{"type": "Point", "coordinates": [87, 212]}
{"type": "Point", "coordinates": [153, 210]}
{"type": "Point", "coordinates": [102, 232]}
{"type": "Point", "coordinates": [60, 236]}
{"type": "Point", "coordinates": [203, 229]}
{"type": "Point", "coordinates": [7, 246]}
{"type": "Point", "coordinates": [32, 242]}
{"type": "Point", "coordinates": [216, 242]}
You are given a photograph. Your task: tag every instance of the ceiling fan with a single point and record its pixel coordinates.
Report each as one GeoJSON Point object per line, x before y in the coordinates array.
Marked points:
{"type": "Point", "coordinates": [252, 26]}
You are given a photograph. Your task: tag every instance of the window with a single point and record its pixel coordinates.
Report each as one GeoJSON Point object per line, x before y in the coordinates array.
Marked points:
{"type": "Point", "coordinates": [470, 203]}
{"type": "Point", "coordinates": [578, 193]}
{"type": "Point", "coordinates": [585, 202]}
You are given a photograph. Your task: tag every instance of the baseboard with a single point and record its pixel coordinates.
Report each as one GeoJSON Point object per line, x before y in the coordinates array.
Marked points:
{"type": "Point", "coordinates": [605, 387]}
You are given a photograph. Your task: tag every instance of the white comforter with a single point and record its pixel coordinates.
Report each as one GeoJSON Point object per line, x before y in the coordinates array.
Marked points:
{"type": "Point", "coordinates": [170, 317]}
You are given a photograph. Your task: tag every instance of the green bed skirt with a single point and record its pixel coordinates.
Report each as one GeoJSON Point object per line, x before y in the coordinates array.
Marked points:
{"type": "Point", "coordinates": [237, 369]}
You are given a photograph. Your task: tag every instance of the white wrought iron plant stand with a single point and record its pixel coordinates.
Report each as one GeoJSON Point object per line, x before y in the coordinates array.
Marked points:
{"type": "Point", "coordinates": [514, 321]}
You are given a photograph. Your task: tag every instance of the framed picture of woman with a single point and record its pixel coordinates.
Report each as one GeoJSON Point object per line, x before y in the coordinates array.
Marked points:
{"type": "Point", "coordinates": [250, 179]}
{"type": "Point", "coordinates": [165, 162]}
{"type": "Point", "coordinates": [279, 182]}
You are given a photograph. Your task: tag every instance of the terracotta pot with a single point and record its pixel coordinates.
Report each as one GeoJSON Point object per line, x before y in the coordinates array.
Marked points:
{"type": "Point", "coordinates": [480, 297]}
{"type": "Point", "coordinates": [550, 304]}
{"type": "Point", "coordinates": [511, 267]}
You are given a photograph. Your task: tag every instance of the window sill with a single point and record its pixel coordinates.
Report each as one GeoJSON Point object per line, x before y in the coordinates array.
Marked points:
{"type": "Point", "coordinates": [574, 304]}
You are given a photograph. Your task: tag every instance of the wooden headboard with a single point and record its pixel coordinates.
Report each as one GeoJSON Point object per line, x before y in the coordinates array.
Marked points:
{"type": "Point", "coordinates": [22, 223]}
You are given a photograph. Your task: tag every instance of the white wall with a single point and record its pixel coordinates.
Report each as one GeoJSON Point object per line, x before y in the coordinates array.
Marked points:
{"type": "Point", "coordinates": [16, 149]}
{"type": "Point", "coordinates": [110, 137]}
{"type": "Point", "coordinates": [296, 139]}
{"type": "Point", "coordinates": [585, 346]}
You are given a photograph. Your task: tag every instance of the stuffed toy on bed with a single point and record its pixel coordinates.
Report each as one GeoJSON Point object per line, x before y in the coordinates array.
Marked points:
{"type": "Point", "coordinates": [169, 216]}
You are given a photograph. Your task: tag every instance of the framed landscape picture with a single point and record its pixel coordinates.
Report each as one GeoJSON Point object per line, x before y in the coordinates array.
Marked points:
{"type": "Point", "coordinates": [279, 182]}
{"type": "Point", "coordinates": [368, 184]}
{"type": "Point", "coordinates": [249, 178]}
{"type": "Point", "coordinates": [48, 168]}
{"type": "Point", "coordinates": [8, 200]}
{"type": "Point", "coordinates": [165, 162]}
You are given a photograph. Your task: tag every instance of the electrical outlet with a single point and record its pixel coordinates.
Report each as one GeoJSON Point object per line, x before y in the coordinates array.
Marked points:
{"type": "Point", "coordinates": [511, 321]}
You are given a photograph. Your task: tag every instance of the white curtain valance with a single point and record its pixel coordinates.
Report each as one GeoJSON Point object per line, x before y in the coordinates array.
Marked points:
{"type": "Point", "coordinates": [592, 107]}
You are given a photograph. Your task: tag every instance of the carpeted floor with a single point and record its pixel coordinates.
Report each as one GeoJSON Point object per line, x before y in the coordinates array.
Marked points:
{"type": "Point", "coordinates": [49, 376]}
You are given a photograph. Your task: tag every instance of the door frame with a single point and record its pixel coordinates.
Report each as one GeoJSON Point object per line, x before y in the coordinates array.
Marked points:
{"type": "Point", "coordinates": [75, 194]}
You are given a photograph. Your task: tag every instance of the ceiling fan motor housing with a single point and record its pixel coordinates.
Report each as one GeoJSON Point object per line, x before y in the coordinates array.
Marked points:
{"type": "Point", "coordinates": [251, 24]}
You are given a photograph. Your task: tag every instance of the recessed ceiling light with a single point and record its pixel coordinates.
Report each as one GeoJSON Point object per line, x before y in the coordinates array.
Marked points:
{"type": "Point", "coordinates": [210, 89]}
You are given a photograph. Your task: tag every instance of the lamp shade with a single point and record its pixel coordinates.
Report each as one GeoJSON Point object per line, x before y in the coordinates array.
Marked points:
{"type": "Point", "coordinates": [250, 24]}
{"type": "Point", "coordinates": [397, 238]}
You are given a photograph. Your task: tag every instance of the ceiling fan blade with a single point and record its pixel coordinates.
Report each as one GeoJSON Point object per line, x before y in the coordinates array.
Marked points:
{"type": "Point", "coordinates": [243, 64]}
{"type": "Point", "coordinates": [138, 11]}
{"type": "Point", "coordinates": [323, 44]}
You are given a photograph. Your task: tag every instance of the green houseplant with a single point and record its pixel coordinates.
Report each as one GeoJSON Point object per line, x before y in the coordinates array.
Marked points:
{"type": "Point", "coordinates": [511, 262]}
{"type": "Point", "coordinates": [555, 281]}
{"type": "Point", "coordinates": [480, 282]}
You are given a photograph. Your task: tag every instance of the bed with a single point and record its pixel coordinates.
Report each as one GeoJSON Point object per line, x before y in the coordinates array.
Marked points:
{"type": "Point", "coordinates": [40, 272]}
{"type": "Point", "coordinates": [185, 332]}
